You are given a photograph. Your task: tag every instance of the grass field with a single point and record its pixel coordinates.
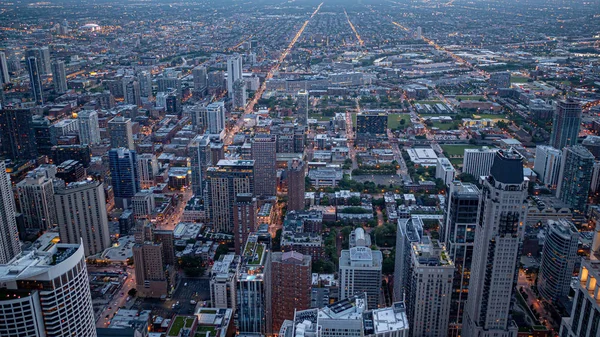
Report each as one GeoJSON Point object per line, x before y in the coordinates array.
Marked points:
{"type": "Point", "coordinates": [456, 161]}
{"type": "Point", "coordinates": [492, 116]}
{"type": "Point", "coordinates": [518, 79]}
{"type": "Point", "coordinates": [457, 150]}
{"type": "Point", "coordinates": [394, 120]}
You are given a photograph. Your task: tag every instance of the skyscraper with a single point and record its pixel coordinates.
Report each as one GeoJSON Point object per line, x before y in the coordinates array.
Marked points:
{"type": "Point", "coordinates": [81, 215]}
{"type": "Point", "coordinates": [575, 177]}
{"type": "Point", "coordinates": [4, 76]}
{"type": "Point", "coordinates": [296, 185]}
{"type": "Point", "coordinates": [559, 256]}
{"type": "Point", "coordinates": [303, 107]}
{"type": "Point", "coordinates": [478, 162]}
{"type": "Point", "coordinates": [287, 294]}
{"type": "Point", "coordinates": [251, 290]}
{"type": "Point", "coordinates": [36, 198]}
{"type": "Point", "coordinates": [234, 72]}
{"type": "Point", "coordinates": [17, 134]}
{"type": "Point", "coordinates": [547, 164]}
{"type": "Point", "coordinates": [46, 292]}
{"type": "Point", "coordinates": [35, 80]}
{"type": "Point", "coordinates": [145, 80]}
{"type": "Point", "coordinates": [200, 160]}
{"type": "Point", "coordinates": [360, 271]}
{"type": "Point", "coordinates": [154, 276]}
{"type": "Point", "coordinates": [239, 94]}
{"type": "Point", "coordinates": [244, 219]}
{"type": "Point", "coordinates": [124, 175]}
{"type": "Point", "coordinates": [225, 181]}
{"type": "Point", "coordinates": [121, 134]}
{"type": "Point", "coordinates": [147, 169]}
{"type": "Point", "coordinates": [9, 240]}
{"type": "Point", "coordinates": [223, 281]}
{"type": "Point", "coordinates": [200, 79]}
{"type": "Point", "coordinates": [428, 288]}
{"type": "Point", "coordinates": [59, 77]}
{"type": "Point", "coordinates": [215, 117]}
{"type": "Point", "coordinates": [89, 129]}
{"type": "Point", "coordinates": [408, 231]}
{"type": "Point", "coordinates": [565, 124]}
{"type": "Point", "coordinates": [133, 93]}
{"type": "Point", "coordinates": [264, 148]}
{"type": "Point", "coordinates": [42, 56]}
{"type": "Point", "coordinates": [497, 249]}
{"type": "Point", "coordinates": [459, 236]}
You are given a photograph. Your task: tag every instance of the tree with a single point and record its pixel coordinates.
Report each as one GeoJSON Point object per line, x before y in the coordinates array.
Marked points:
{"type": "Point", "coordinates": [221, 250]}
{"type": "Point", "coordinates": [467, 178]}
{"type": "Point", "coordinates": [277, 241]}
{"type": "Point", "coordinates": [402, 121]}
{"type": "Point", "coordinates": [132, 292]}
{"type": "Point", "coordinates": [354, 201]}
{"type": "Point", "coordinates": [191, 266]}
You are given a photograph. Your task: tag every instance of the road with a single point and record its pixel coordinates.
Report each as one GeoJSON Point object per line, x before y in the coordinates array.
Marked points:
{"type": "Point", "coordinates": [175, 217]}
{"type": "Point", "coordinates": [230, 133]}
{"type": "Point", "coordinates": [351, 136]}
{"type": "Point", "coordinates": [120, 300]}
{"type": "Point", "coordinates": [525, 284]}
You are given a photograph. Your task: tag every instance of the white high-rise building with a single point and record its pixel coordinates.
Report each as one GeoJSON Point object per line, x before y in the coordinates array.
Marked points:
{"type": "Point", "coordinates": [147, 169]}
{"type": "Point", "coordinates": [408, 231]}
{"type": "Point", "coordinates": [360, 271]}
{"type": "Point", "coordinates": [89, 129]}
{"type": "Point", "coordinates": [215, 118]}
{"type": "Point", "coordinates": [222, 281]}
{"type": "Point", "coordinates": [36, 198]}
{"type": "Point", "coordinates": [82, 217]}
{"type": "Point", "coordinates": [431, 273]}
{"type": "Point", "coordinates": [547, 164]}
{"type": "Point", "coordinates": [478, 162]}
{"type": "Point", "coordinates": [234, 72]}
{"type": "Point", "coordinates": [445, 171]}
{"type": "Point", "coordinates": [145, 81]}
{"type": "Point", "coordinates": [419, 33]}
{"type": "Point", "coordinates": [9, 239]}
{"type": "Point", "coordinates": [4, 76]}
{"type": "Point", "coordinates": [497, 250]}
{"type": "Point", "coordinates": [46, 292]}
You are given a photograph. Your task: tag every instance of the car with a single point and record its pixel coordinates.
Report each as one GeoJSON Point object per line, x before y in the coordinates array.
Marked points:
{"type": "Point", "coordinates": [185, 284]}
{"type": "Point", "coordinates": [192, 302]}
{"type": "Point", "coordinates": [128, 299]}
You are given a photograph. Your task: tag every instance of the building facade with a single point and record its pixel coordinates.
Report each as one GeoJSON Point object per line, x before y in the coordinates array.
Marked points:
{"type": "Point", "coordinates": [565, 125]}
{"type": "Point", "coordinates": [17, 134]}
{"type": "Point", "coordinates": [36, 198]}
{"type": "Point", "coordinates": [478, 162]}
{"type": "Point", "coordinates": [121, 133]}
{"type": "Point", "coordinates": [9, 240]}
{"type": "Point", "coordinates": [124, 174]}
{"type": "Point", "coordinates": [265, 165]}
{"type": "Point", "coordinates": [575, 177]}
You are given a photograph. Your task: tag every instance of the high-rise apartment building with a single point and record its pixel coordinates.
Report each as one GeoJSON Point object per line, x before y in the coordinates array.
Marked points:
{"type": "Point", "coordinates": [360, 272]}
{"type": "Point", "coordinates": [9, 240]}
{"type": "Point", "coordinates": [133, 93]}
{"type": "Point", "coordinates": [371, 123]}
{"type": "Point", "coordinates": [215, 117]}
{"type": "Point", "coordinates": [408, 231]}
{"type": "Point", "coordinates": [145, 80]}
{"type": "Point", "coordinates": [225, 181]}
{"type": "Point", "coordinates": [59, 77]}
{"type": "Point", "coordinates": [296, 185]}
{"type": "Point", "coordinates": [460, 224]}
{"type": "Point", "coordinates": [46, 292]}
{"type": "Point", "coordinates": [4, 75]}
{"type": "Point", "coordinates": [200, 160]}
{"type": "Point", "coordinates": [478, 162]}
{"type": "Point", "coordinates": [547, 165]}
{"type": "Point", "coordinates": [81, 215]}
{"type": "Point", "coordinates": [302, 107]}
{"type": "Point", "coordinates": [234, 72]}
{"type": "Point", "coordinates": [89, 129]}
{"type": "Point", "coordinates": [264, 148]}
{"type": "Point", "coordinates": [223, 280]}
{"type": "Point", "coordinates": [559, 256]}
{"type": "Point", "coordinates": [251, 288]}
{"type": "Point", "coordinates": [125, 179]}
{"type": "Point", "coordinates": [497, 250]}
{"type": "Point", "coordinates": [36, 199]}
{"type": "Point", "coordinates": [200, 79]}
{"type": "Point", "coordinates": [147, 169]}
{"type": "Point", "coordinates": [239, 94]}
{"type": "Point", "coordinates": [244, 219]}
{"type": "Point", "coordinates": [565, 124]}
{"type": "Point", "coordinates": [287, 294]}
{"type": "Point", "coordinates": [155, 277]}
{"type": "Point", "coordinates": [35, 80]}
{"type": "Point", "coordinates": [445, 171]}
{"type": "Point", "coordinates": [575, 179]}
{"type": "Point", "coordinates": [17, 134]}
{"type": "Point", "coordinates": [121, 134]}
{"type": "Point", "coordinates": [42, 56]}
{"type": "Point", "coordinates": [168, 84]}
{"type": "Point", "coordinates": [429, 288]}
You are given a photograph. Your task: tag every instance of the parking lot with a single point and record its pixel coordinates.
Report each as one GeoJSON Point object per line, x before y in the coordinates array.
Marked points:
{"type": "Point", "coordinates": [196, 289]}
